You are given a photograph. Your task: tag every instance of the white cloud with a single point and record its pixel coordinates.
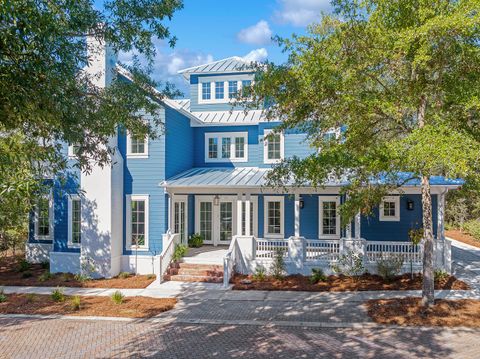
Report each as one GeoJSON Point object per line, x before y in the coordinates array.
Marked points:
{"type": "Point", "coordinates": [258, 34]}
{"type": "Point", "coordinates": [167, 64]}
{"type": "Point", "coordinates": [300, 12]}
{"type": "Point", "coordinates": [257, 55]}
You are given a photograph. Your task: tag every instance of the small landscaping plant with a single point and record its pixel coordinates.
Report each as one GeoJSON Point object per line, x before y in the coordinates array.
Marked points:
{"type": "Point", "coordinates": [195, 240]}
{"type": "Point", "coordinates": [151, 276]}
{"type": "Point", "coordinates": [124, 275]}
{"type": "Point", "coordinates": [3, 297]}
{"type": "Point", "coordinates": [117, 297]}
{"type": "Point", "coordinates": [45, 276]}
{"type": "Point", "coordinates": [440, 275]}
{"type": "Point", "coordinates": [278, 265]}
{"type": "Point", "coordinates": [23, 265]}
{"type": "Point", "coordinates": [45, 265]}
{"type": "Point", "coordinates": [317, 276]}
{"type": "Point", "coordinates": [179, 252]}
{"type": "Point", "coordinates": [65, 277]}
{"type": "Point", "coordinates": [349, 264]}
{"type": "Point", "coordinates": [27, 274]}
{"type": "Point", "coordinates": [57, 295]}
{"type": "Point", "coordinates": [472, 227]}
{"type": "Point", "coordinates": [389, 267]}
{"type": "Point", "coordinates": [76, 302]}
{"type": "Point", "coordinates": [82, 278]}
{"type": "Point", "coordinates": [260, 274]}
{"type": "Point", "coordinates": [31, 297]}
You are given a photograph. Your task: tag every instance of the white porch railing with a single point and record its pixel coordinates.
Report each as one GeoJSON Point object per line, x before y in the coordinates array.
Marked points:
{"type": "Point", "coordinates": [266, 247]}
{"type": "Point", "coordinates": [383, 250]}
{"type": "Point", "coordinates": [229, 262]}
{"type": "Point", "coordinates": [167, 253]}
{"type": "Point", "coordinates": [322, 250]}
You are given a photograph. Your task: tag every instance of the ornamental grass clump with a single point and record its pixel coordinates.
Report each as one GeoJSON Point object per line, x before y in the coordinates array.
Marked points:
{"type": "Point", "coordinates": [76, 301]}
{"type": "Point", "coordinates": [57, 295]}
{"type": "Point", "coordinates": [117, 297]}
{"type": "Point", "coordinates": [3, 297]}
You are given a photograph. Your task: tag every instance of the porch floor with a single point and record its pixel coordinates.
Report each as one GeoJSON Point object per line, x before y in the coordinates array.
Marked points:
{"type": "Point", "coordinates": [206, 254]}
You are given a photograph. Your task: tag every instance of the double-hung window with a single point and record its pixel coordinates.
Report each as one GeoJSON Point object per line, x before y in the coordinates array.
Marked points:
{"type": "Point", "coordinates": [273, 147]}
{"type": "Point", "coordinates": [390, 209]}
{"type": "Point", "coordinates": [206, 91]}
{"type": "Point", "coordinates": [137, 217]}
{"type": "Point", "coordinates": [274, 217]}
{"type": "Point", "coordinates": [44, 218]}
{"type": "Point", "coordinates": [73, 150]}
{"type": "Point", "coordinates": [232, 89]}
{"type": "Point", "coordinates": [137, 146]}
{"type": "Point", "coordinates": [74, 220]}
{"type": "Point", "coordinates": [219, 90]}
{"type": "Point", "coordinates": [226, 147]}
{"type": "Point", "coordinates": [329, 221]}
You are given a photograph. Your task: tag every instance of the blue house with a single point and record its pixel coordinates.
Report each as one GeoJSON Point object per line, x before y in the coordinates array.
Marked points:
{"type": "Point", "coordinates": [206, 174]}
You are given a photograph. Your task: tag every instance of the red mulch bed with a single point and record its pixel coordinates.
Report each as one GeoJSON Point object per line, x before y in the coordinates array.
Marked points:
{"type": "Point", "coordinates": [408, 311]}
{"type": "Point", "coordinates": [342, 283]}
{"type": "Point", "coordinates": [463, 237]}
{"type": "Point", "coordinates": [132, 307]}
{"type": "Point", "coordinates": [10, 275]}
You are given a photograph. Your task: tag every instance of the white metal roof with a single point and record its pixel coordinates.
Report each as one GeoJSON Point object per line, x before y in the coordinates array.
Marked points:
{"type": "Point", "coordinates": [231, 64]}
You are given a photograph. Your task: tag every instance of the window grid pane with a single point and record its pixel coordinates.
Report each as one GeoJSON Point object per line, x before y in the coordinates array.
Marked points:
{"type": "Point", "coordinates": [389, 209]}
{"type": "Point", "coordinates": [206, 220]}
{"type": "Point", "coordinates": [329, 220]}
{"type": "Point", "coordinates": [43, 217]}
{"type": "Point", "coordinates": [219, 90]}
{"type": "Point", "coordinates": [239, 147]}
{"type": "Point", "coordinates": [212, 147]}
{"type": "Point", "coordinates": [274, 217]}
{"type": "Point", "coordinates": [232, 89]}
{"type": "Point", "coordinates": [273, 147]}
{"type": "Point", "coordinates": [137, 145]}
{"type": "Point", "coordinates": [226, 142]}
{"type": "Point", "coordinates": [138, 222]}
{"type": "Point", "coordinates": [206, 91]}
{"type": "Point", "coordinates": [226, 221]}
{"type": "Point", "coordinates": [76, 221]}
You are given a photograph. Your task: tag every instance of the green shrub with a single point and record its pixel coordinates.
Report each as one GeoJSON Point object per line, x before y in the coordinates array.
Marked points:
{"type": "Point", "coordinates": [27, 274]}
{"type": "Point", "coordinates": [278, 265]}
{"type": "Point", "coordinates": [124, 275]}
{"type": "Point", "coordinates": [260, 274]}
{"type": "Point", "coordinates": [317, 276]}
{"type": "Point", "coordinates": [45, 276]}
{"type": "Point", "coordinates": [195, 240]}
{"type": "Point", "coordinates": [179, 252]}
{"type": "Point", "coordinates": [117, 297]}
{"type": "Point", "coordinates": [349, 264]}
{"type": "Point", "coordinates": [31, 297]}
{"type": "Point", "coordinates": [65, 277]}
{"type": "Point", "coordinates": [81, 277]}
{"type": "Point", "coordinates": [389, 267]}
{"type": "Point", "coordinates": [23, 265]}
{"type": "Point", "coordinates": [45, 265]}
{"type": "Point", "coordinates": [151, 276]}
{"type": "Point", "coordinates": [472, 228]}
{"type": "Point", "coordinates": [76, 302]}
{"type": "Point", "coordinates": [3, 297]}
{"type": "Point", "coordinates": [57, 295]}
{"type": "Point", "coordinates": [440, 275]}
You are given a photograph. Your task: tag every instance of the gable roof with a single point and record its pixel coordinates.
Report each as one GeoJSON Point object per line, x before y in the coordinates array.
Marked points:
{"type": "Point", "coordinates": [230, 64]}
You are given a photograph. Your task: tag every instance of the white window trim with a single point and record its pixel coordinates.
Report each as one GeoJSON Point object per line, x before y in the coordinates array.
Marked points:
{"type": "Point", "coordinates": [70, 226]}
{"type": "Point", "coordinates": [280, 199]}
{"type": "Point", "coordinates": [322, 199]}
{"type": "Point", "coordinates": [232, 136]}
{"type": "Point", "coordinates": [396, 200]}
{"type": "Point", "coordinates": [137, 197]}
{"type": "Point", "coordinates": [266, 160]}
{"type": "Point", "coordinates": [213, 98]}
{"type": "Point", "coordinates": [71, 154]}
{"type": "Point", "coordinates": [129, 148]}
{"type": "Point", "coordinates": [176, 199]}
{"type": "Point", "coordinates": [36, 236]}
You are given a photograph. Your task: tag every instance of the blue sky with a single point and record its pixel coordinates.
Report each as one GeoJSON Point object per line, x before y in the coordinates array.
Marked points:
{"type": "Point", "coordinates": [209, 30]}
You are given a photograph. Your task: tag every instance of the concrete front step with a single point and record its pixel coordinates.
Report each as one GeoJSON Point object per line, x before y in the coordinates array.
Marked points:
{"type": "Point", "coordinates": [193, 278]}
{"type": "Point", "coordinates": [194, 271]}
{"type": "Point", "coordinates": [197, 266]}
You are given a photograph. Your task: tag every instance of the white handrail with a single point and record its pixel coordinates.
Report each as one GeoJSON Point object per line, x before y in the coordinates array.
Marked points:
{"type": "Point", "coordinates": [167, 253]}
{"type": "Point", "coordinates": [229, 262]}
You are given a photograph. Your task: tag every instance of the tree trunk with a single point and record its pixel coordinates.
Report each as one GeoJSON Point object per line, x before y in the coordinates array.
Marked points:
{"type": "Point", "coordinates": [428, 290]}
{"type": "Point", "coordinates": [428, 294]}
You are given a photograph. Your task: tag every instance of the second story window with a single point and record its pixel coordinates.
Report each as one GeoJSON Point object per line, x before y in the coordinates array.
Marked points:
{"type": "Point", "coordinates": [273, 147]}
{"type": "Point", "coordinates": [233, 147]}
{"type": "Point", "coordinates": [206, 91]}
{"type": "Point", "coordinates": [232, 89]}
{"type": "Point", "coordinates": [219, 90]}
{"type": "Point", "coordinates": [137, 146]}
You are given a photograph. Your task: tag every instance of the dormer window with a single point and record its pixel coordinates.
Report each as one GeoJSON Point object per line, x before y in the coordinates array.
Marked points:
{"type": "Point", "coordinates": [206, 91]}
{"type": "Point", "coordinates": [219, 90]}
{"type": "Point", "coordinates": [232, 89]}
{"type": "Point", "coordinates": [226, 147]}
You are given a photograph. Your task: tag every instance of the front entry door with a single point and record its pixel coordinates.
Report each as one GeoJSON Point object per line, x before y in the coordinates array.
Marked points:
{"type": "Point", "coordinates": [215, 219]}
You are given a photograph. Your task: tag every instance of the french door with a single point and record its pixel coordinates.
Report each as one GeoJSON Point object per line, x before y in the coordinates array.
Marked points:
{"type": "Point", "coordinates": [179, 216]}
{"type": "Point", "coordinates": [215, 218]}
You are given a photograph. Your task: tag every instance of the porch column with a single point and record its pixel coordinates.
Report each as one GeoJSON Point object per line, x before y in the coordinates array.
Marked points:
{"type": "Point", "coordinates": [239, 215]}
{"type": "Point", "coordinates": [297, 215]}
{"type": "Point", "coordinates": [248, 203]}
{"type": "Point", "coordinates": [441, 216]}
{"type": "Point", "coordinates": [348, 228]}
{"type": "Point", "coordinates": [170, 213]}
{"type": "Point", "coordinates": [358, 233]}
